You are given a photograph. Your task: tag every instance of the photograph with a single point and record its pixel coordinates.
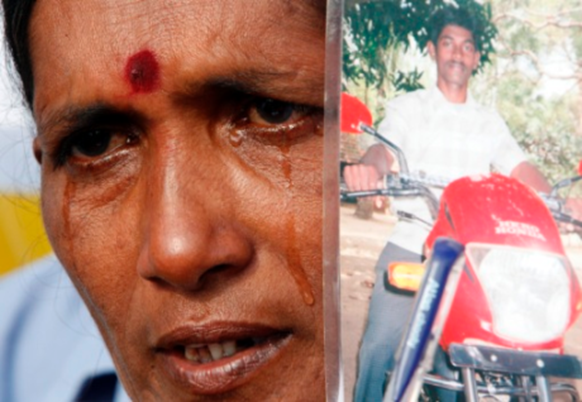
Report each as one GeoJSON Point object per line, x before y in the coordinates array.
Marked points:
{"type": "Point", "coordinates": [460, 153]}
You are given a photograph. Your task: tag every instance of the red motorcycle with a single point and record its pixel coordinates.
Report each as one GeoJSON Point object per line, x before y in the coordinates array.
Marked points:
{"type": "Point", "coordinates": [509, 305]}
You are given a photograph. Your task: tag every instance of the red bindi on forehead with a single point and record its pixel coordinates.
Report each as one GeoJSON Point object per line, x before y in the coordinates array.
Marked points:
{"type": "Point", "coordinates": [142, 72]}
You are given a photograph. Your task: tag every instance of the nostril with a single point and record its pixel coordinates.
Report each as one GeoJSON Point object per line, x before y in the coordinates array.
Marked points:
{"type": "Point", "coordinates": [219, 270]}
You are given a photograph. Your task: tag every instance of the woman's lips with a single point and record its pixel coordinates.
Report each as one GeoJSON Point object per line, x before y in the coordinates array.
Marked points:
{"type": "Point", "coordinates": [218, 358]}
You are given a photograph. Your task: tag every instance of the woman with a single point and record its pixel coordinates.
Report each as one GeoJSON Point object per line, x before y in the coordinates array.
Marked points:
{"type": "Point", "coordinates": [180, 145]}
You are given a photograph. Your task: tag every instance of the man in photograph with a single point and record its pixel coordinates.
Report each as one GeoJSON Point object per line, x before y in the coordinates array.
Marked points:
{"type": "Point", "coordinates": [443, 132]}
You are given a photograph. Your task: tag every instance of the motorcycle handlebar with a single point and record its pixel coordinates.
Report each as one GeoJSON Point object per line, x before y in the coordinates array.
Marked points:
{"type": "Point", "coordinates": [412, 187]}
{"type": "Point", "coordinates": [406, 189]}
{"type": "Point", "coordinates": [565, 218]}
{"type": "Point", "coordinates": [556, 207]}
{"type": "Point", "coordinates": [416, 185]}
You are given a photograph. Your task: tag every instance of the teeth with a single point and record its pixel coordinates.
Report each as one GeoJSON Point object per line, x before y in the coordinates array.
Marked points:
{"type": "Point", "coordinates": [215, 350]}
{"type": "Point", "coordinates": [205, 356]}
{"type": "Point", "coordinates": [229, 348]}
{"type": "Point", "coordinates": [191, 354]}
{"type": "Point", "coordinates": [206, 353]}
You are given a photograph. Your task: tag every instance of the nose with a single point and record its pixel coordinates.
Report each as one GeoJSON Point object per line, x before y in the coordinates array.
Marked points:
{"type": "Point", "coordinates": [191, 231]}
{"type": "Point", "coordinates": [457, 52]}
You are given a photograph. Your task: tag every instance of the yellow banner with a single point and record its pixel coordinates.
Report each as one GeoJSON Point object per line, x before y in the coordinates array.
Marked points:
{"type": "Point", "coordinates": [22, 236]}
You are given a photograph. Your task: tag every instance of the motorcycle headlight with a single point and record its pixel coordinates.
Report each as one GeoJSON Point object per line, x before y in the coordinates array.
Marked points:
{"type": "Point", "coordinates": [528, 291]}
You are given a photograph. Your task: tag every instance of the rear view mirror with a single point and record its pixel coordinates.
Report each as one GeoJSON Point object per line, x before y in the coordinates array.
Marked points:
{"type": "Point", "coordinates": [353, 114]}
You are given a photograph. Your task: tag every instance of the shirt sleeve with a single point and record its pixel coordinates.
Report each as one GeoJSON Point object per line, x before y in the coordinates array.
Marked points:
{"type": "Point", "coordinates": [508, 153]}
{"type": "Point", "coordinates": [394, 126]}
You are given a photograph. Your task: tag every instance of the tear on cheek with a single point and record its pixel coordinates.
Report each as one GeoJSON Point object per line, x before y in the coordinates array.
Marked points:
{"type": "Point", "coordinates": [142, 72]}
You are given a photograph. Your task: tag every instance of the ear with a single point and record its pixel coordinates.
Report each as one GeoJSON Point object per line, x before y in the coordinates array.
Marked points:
{"type": "Point", "coordinates": [37, 151]}
{"type": "Point", "coordinates": [431, 49]}
{"type": "Point", "coordinates": [476, 59]}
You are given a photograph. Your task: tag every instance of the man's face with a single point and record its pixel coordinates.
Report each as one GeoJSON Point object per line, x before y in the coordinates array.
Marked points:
{"type": "Point", "coordinates": [455, 55]}
{"type": "Point", "coordinates": [181, 144]}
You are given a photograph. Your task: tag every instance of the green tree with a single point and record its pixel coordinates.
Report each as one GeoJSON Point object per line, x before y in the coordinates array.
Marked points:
{"type": "Point", "coordinates": [535, 80]}
{"type": "Point", "coordinates": [531, 66]}
{"type": "Point", "coordinates": [376, 32]}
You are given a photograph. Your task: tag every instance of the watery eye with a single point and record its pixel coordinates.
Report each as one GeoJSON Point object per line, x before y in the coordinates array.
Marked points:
{"type": "Point", "coordinates": [91, 144]}
{"type": "Point", "coordinates": [271, 120]}
{"type": "Point", "coordinates": [271, 111]}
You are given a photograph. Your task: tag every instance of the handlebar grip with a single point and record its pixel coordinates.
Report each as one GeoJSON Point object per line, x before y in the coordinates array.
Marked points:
{"type": "Point", "coordinates": [561, 217]}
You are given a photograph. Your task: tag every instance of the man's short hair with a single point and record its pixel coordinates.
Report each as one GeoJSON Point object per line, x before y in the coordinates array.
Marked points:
{"type": "Point", "coordinates": [451, 15]}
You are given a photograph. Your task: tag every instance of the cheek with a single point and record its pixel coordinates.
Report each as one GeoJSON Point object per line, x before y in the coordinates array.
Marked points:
{"type": "Point", "coordinates": [91, 228]}
{"type": "Point", "coordinates": [287, 181]}
{"type": "Point", "coordinates": [476, 59]}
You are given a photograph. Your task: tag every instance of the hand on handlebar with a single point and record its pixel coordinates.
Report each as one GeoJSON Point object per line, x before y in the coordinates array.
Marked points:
{"type": "Point", "coordinates": [367, 175]}
{"type": "Point", "coordinates": [362, 177]}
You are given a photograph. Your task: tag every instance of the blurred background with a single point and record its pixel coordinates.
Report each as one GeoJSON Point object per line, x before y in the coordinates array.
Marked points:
{"type": "Point", "coordinates": [22, 238]}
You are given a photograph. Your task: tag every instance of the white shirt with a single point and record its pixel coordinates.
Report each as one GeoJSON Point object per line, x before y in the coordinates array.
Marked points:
{"type": "Point", "coordinates": [448, 140]}
{"type": "Point", "coordinates": [49, 344]}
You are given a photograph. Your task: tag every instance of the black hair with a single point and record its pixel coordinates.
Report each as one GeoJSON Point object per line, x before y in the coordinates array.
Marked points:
{"type": "Point", "coordinates": [17, 14]}
{"type": "Point", "coordinates": [451, 15]}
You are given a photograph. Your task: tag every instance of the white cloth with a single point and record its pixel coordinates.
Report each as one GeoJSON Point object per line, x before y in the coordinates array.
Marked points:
{"type": "Point", "coordinates": [49, 344]}
{"type": "Point", "coordinates": [448, 140]}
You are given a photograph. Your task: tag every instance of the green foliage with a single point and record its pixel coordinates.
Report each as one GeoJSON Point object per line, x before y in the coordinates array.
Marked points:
{"type": "Point", "coordinates": [543, 127]}
{"type": "Point", "coordinates": [516, 77]}
{"type": "Point", "coordinates": [543, 119]}
{"type": "Point", "coordinates": [406, 82]}
{"type": "Point", "coordinates": [374, 29]}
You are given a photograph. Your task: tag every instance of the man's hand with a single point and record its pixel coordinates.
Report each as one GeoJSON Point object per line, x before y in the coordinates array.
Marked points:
{"type": "Point", "coordinates": [530, 175]}
{"type": "Point", "coordinates": [375, 164]}
{"type": "Point", "coordinates": [361, 177]}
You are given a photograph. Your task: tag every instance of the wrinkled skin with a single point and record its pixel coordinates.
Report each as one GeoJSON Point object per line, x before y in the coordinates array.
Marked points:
{"type": "Point", "coordinates": [186, 206]}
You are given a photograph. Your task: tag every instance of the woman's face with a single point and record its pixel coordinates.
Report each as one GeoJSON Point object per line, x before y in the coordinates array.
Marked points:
{"type": "Point", "coordinates": [181, 150]}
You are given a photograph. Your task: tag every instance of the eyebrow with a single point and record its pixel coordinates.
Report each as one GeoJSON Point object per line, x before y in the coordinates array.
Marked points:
{"type": "Point", "coordinates": [74, 118]}
{"type": "Point", "coordinates": [283, 85]}
{"type": "Point", "coordinates": [470, 40]}
{"type": "Point", "coordinates": [266, 84]}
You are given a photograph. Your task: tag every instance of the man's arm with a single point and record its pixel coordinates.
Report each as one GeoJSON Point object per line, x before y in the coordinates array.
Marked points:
{"type": "Point", "coordinates": [376, 163]}
{"type": "Point", "coordinates": [380, 157]}
{"type": "Point", "coordinates": [530, 175]}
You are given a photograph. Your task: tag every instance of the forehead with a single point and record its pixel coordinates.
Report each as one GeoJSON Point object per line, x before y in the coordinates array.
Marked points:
{"type": "Point", "coordinates": [87, 47]}
{"type": "Point", "coordinates": [456, 32]}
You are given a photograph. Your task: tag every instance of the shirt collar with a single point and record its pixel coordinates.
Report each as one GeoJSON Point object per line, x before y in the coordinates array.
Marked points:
{"type": "Point", "coordinates": [438, 97]}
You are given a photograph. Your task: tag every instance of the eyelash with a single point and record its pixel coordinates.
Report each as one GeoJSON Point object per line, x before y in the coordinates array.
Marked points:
{"type": "Point", "coordinates": [66, 147]}
{"type": "Point", "coordinates": [248, 119]}
{"type": "Point", "coordinates": [294, 114]}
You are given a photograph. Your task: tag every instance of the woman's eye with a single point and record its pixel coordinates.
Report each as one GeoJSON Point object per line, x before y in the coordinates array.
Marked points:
{"type": "Point", "coordinates": [88, 146]}
{"type": "Point", "coordinates": [274, 120]}
{"type": "Point", "coordinates": [272, 111]}
{"type": "Point", "coordinates": [91, 144]}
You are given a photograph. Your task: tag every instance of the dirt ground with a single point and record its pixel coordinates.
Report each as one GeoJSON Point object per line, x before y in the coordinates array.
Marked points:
{"type": "Point", "coordinates": [361, 241]}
